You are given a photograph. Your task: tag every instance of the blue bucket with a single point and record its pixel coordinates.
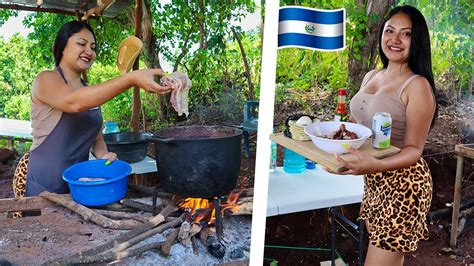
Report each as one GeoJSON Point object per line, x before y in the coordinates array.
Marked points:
{"type": "Point", "coordinates": [98, 193]}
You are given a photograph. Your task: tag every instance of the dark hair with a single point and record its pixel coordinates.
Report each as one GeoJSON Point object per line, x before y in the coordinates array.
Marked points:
{"type": "Point", "coordinates": [419, 55]}
{"type": "Point", "coordinates": [66, 31]}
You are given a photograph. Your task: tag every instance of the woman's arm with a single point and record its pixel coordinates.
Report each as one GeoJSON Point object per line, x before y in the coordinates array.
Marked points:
{"type": "Point", "coordinates": [51, 89]}
{"type": "Point", "coordinates": [99, 149]}
{"type": "Point", "coordinates": [419, 113]}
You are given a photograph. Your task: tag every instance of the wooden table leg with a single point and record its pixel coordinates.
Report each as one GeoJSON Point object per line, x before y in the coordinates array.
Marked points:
{"type": "Point", "coordinates": [457, 201]}
{"type": "Point", "coordinates": [10, 144]}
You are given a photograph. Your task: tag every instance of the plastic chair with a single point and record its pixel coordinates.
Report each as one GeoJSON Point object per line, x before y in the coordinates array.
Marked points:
{"type": "Point", "coordinates": [250, 124]}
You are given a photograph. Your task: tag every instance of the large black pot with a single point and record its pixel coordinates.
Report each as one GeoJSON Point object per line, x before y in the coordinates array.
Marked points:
{"type": "Point", "coordinates": [129, 146]}
{"type": "Point", "coordinates": [198, 161]}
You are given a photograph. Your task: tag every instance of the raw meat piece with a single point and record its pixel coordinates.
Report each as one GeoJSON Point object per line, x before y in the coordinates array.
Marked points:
{"type": "Point", "coordinates": [90, 179]}
{"type": "Point", "coordinates": [180, 83]}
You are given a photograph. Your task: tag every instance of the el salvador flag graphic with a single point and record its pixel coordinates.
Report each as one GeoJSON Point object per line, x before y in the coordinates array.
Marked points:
{"type": "Point", "coordinates": [310, 28]}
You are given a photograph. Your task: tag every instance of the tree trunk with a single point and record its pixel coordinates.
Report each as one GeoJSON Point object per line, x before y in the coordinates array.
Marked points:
{"type": "Point", "coordinates": [201, 17]}
{"type": "Point", "coordinates": [151, 50]}
{"type": "Point", "coordinates": [136, 91]}
{"type": "Point", "coordinates": [368, 52]}
{"type": "Point", "coordinates": [469, 92]}
{"type": "Point", "coordinates": [247, 69]}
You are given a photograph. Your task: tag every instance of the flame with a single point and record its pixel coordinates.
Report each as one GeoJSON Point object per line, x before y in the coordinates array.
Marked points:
{"type": "Point", "coordinates": [231, 202]}
{"type": "Point", "coordinates": [202, 208]}
{"type": "Point", "coordinates": [194, 204]}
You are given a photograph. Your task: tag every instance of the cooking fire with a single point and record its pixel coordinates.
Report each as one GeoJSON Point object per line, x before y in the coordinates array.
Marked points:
{"type": "Point", "coordinates": [182, 224]}
{"type": "Point", "coordinates": [204, 208]}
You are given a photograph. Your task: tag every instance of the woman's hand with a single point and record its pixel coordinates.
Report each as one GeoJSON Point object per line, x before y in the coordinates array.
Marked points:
{"type": "Point", "coordinates": [110, 156]}
{"type": "Point", "coordinates": [145, 80]}
{"type": "Point", "coordinates": [364, 164]}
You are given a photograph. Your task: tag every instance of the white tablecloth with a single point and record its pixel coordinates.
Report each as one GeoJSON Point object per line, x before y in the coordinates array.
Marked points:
{"type": "Point", "coordinates": [313, 189]}
{"type": "Point", "coordinates": [15, 128]}
{"type": "Point", "coordinates": [147, 165]}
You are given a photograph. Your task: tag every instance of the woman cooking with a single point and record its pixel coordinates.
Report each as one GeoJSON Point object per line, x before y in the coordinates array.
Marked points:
{"type": "Point", "coordinates": [398, 189]}
{"type": "Point", "coordinates": [65, 113]}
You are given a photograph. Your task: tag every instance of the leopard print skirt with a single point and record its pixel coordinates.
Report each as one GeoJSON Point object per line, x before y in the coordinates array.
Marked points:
{"type": "Point", "coordinates": [19, 180]}
{"type": "Point", "coordinates": [395, 205]}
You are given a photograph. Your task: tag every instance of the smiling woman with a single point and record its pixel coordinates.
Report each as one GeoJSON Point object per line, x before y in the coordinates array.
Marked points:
{"type": "Point", "coordinates": [398, 189]}
{"type": "Point", "coordinates": [65, 110]}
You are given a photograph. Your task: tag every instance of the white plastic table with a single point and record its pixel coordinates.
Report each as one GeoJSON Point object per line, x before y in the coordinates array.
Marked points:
{"type": "Point", "coordinates": [316, 189]}
{"type": "Point", "coordinates": [312, 189]}
{"type": "Point", "coordinates": [12, 129]}
{"type": "Point", "coordinates": [147, 165]}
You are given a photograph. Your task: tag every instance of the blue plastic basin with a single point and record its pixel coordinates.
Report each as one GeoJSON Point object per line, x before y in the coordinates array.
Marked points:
{"type": "Point", "coordinates": [98, 193]}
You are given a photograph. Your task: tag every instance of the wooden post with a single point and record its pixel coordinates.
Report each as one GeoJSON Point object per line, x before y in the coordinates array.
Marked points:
{"type": "Point", "coordinates": [136, 91]}
{"type": "Point", "coordinates": [457, 200]}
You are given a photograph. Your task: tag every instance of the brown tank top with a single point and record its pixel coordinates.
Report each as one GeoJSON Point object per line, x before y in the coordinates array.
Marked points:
{"type": "Point", "coordinates": [364, 105]}
{"type": "Point", "coordinates": [43, 119]}
{"type": "Point", "coordinates": [69, 142]}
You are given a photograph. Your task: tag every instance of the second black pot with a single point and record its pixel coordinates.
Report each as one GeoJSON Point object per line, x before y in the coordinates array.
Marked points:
{"type": "Point", "coordinates": [198, 161]}
{"type": "Point", "coordinates": [129, 146]}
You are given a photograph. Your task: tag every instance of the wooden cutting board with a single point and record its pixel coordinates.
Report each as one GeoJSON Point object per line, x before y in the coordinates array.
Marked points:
{"type": "Point", "coordinates": [310, 151]}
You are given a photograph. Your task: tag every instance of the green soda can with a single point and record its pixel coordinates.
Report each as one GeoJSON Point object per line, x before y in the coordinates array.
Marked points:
{"type": "Point", "coordinates": [381, 127]}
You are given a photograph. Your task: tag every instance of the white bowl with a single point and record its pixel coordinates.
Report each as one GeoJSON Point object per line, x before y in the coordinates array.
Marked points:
{"type": "Point", "coordinates": [317, 131]}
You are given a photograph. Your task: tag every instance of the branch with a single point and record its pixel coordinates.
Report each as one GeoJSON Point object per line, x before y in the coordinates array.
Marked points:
{"type": "Point", "coordinates": [136, 251]}
{"type": "Point", "coordinates": [110, 254]}
{"type": "Point", "coordinates": [202, 25]}
{"type": "Point", "coordinates": [88, 214]}
{"type": "Point", "coordinates": [184, 49]}
{"type": "Point", "coordinates": [123, 215]}
{"type": "Point", "coordinates": [170, 240]}
{"type": "Point", "coordinates": [97, 10]}
{"type": "Point", "coordinates": [138, 205]}
{"type": "Point", "coordinates": [247, 69]}
{"type": "Point", "coordinates": [146, 227]}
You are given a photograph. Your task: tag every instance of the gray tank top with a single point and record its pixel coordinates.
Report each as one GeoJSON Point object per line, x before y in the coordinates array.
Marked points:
{"type": "Point", "coordinates": [68, 143]}
{"type": "Point", "coordinates": [364, 105]}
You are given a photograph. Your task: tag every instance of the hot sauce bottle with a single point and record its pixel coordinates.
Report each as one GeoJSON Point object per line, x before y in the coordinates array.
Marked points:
{"type": "Point", "coordinates": [341, 111]}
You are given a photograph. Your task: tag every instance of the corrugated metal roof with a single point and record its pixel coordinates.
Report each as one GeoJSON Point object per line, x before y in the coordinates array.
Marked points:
{"type": "Point", "coordinates": [72, 5]}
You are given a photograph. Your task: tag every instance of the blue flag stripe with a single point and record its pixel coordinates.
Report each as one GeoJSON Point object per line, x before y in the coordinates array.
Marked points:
{"type": "Point", "coordinates": [295, 39]}
{"type": "Point", "coordinates": [333, 17]}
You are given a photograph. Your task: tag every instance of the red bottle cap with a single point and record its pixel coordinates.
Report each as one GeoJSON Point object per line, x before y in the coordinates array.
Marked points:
{"type": "Point", "coordinates": [342, 91]}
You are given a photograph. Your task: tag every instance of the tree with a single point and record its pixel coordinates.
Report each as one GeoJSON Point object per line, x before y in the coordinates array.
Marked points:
{"type": "Point", "coordinates": [208, 55]}
{"type": "Point", "coordinates": [366, 20]}
{"type": "Point", "coordinates": [187, 33]}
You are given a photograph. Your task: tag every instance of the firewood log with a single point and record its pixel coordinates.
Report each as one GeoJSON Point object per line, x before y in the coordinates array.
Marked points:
{"type": "Point", "coordinates": [146, 227]}
{"type": "Point", "coordinates": [170, 240]}
{"type": "Point", "coordinates": [88, 214]}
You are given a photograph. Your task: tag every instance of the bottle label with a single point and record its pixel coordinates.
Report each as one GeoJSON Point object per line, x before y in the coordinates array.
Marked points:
{"type": "Point", "coordinates": [381, 128]}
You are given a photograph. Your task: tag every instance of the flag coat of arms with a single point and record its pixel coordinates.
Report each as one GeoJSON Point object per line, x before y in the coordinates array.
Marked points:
{"type": "Point", "coordinates": [310, 28]}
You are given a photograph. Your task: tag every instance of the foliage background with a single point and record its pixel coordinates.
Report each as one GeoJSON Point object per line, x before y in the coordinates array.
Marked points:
{"type": "Point", "coordinates": [216, 69]}
{"type": "Point", "coordinates": [306, 79]}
